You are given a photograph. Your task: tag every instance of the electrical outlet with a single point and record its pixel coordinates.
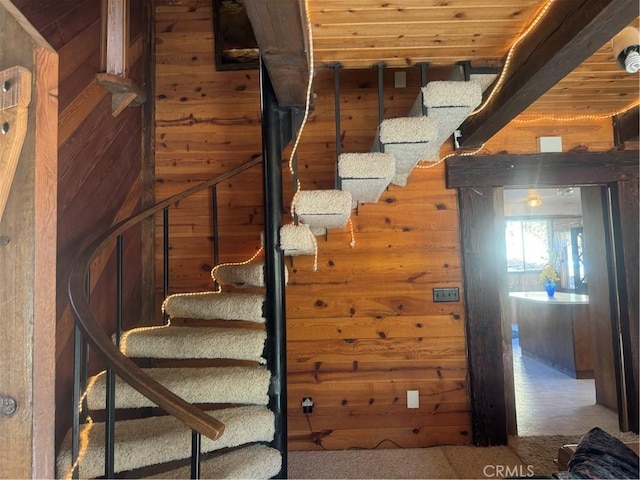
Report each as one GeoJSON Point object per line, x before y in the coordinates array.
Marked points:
{"type": "Point", "coordinates": [451, 294]}
{"type": "Point", "coordinates": [307, 405]}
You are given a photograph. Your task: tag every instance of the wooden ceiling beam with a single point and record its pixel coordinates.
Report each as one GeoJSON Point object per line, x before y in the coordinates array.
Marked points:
{"type": "Point", "coordinates": [567, 35]}
{"type": "Point", "coordinates": [542, 169]}
{"type": "Point", "coordinates": [280, 30]}
{"type": "Point", "coordinates": [626, 127]}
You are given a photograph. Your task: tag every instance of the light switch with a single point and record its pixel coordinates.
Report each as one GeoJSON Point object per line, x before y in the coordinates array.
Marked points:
{"type": "Point", "coordinates": [413, 399]}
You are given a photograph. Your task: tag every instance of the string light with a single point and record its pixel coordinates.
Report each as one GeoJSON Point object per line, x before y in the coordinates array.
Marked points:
{"type": "Point", "coordinates": [352, 243]}
{"type": "Point", "coordinates": [305, 118]}
{"type": "Point", "coordinates": [508, 59]}
{"type": "Point", "coordinates": [232, 264]}
{"type": "Point", "coordinates": [603, 116]}
{"type": "Point", "coordinates": [454, 154]}
{"type": "Point", "coordinates": [84, 446]}
{"type": "Point", "coordinates": [307, 106]}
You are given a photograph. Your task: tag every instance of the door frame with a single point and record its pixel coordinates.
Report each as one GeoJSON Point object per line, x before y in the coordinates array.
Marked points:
{"type": "Point", "coordinates": [479, 180]}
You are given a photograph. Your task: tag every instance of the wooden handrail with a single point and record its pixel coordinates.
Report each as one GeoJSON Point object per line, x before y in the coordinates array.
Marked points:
{"type": "Point", "coordinates": [192, 416]}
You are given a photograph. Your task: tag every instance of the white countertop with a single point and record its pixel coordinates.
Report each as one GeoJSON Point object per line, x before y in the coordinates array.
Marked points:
{"type": "Point", "coordinates": [560, 298]}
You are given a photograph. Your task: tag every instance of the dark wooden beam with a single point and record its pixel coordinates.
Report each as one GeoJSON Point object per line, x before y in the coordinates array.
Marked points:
{"type": "Point", "coordinates": [568, 34]}
{"type": "Point", "coordinates": [542, 169]}
{"type": "Point", "coordinates": [626, 127]}
{"type": "Point", "coordinates": [485, 271]}
{"type": "Point", "coordinates": [280, 30]}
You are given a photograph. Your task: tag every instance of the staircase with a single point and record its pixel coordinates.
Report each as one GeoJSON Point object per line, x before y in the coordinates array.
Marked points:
{"type": "Point", "coordinates": [211, 352]}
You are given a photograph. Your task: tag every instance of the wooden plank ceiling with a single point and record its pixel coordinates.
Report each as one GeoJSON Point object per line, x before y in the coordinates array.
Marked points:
{"type": "Point", "coordinates": [403, 33]}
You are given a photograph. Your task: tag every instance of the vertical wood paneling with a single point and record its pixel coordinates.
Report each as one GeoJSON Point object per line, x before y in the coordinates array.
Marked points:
{"type": "Point", "coordinates": [100, 160]}
{"type": "Point", "coordinates": [362, 329]}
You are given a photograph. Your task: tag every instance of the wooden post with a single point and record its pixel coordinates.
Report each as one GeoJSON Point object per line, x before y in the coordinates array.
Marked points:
{"type": "Point", "coordinates": [28, 263]}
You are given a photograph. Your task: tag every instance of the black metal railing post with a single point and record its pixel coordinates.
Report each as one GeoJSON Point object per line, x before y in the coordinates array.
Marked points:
{"type": "Point", "coordinates": [380, 67]}
{"type": "Point", "coordinates": [76, 395]}
{"type": "Point", "coordinates": [276, 348]}
{"type": "Point", "coordinates": [110, 402]}
{"type": "Point", "coordinates": [165, 257]}
{"type": "Point", "coordinates": [423, 83]}
{"type": "Point", "coordinates": [336, 95]}
{"type": "Point", "coordinates": [214, 221]}
{"type": "Point", "coordinates": [196, 441]}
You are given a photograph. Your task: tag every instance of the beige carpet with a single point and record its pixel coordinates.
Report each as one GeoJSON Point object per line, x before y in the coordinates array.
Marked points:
{"type": "Point", "coordinates": [524, 456]}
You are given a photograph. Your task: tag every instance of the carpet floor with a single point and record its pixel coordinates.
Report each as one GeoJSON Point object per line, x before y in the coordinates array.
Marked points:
{"type": "Point", "coordinates": [525, 456]}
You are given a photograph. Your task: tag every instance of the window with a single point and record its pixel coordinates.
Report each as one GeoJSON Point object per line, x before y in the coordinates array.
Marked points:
{"type": "Point", "coordinates": [528, 244]}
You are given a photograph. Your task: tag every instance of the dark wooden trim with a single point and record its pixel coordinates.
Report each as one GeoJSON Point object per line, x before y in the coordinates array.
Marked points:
{"type": "Point", "coordinates": [626, 127]}
{"type": "Point", "coordinates": [568, 34]}
{"type": "Point", "coordinates": [280, 29]}
{"type": "Point", "coordinates": [482, 268]}
{"type": "Point", "coordinates": [625, 215]}
{"type": "Point", "coordinates": [477, 179]}
{"type": "Point", "coordinates": [542, 169]}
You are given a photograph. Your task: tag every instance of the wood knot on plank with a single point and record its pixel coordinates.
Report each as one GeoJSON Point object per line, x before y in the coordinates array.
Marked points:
{"type": "Point", "coordinates": [320, 304]}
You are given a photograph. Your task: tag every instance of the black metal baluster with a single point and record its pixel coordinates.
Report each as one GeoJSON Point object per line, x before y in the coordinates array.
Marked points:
{"type": "Point", "coordinates": [165, 257]}
{"type": "Point", "coordinates": [336, 95]}
{"type": "Point", "coordinates": [275, 352]}
{"type": "Point", "coordinates": [380, 67]}
{"type": "Point", "coordinates": [196, 440]}
{"type": "Point", "coordinates": [423, 83]}
{"type": "Point", "coordinates": [214, 220]}
{"type": "Point", "coordinates": [110, 430]}
{"type": "Point", "coordinates": [75, 429]}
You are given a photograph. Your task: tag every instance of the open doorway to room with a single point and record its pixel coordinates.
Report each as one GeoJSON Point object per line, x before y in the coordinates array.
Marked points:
{"type": "Point", "coordinates": [551, 337]}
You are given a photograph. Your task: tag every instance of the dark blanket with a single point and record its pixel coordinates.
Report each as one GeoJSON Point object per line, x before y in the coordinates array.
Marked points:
{"type": "Point", "coordinates": [600, 455]}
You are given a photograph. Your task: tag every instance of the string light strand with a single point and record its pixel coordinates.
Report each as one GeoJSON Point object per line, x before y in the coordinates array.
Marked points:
{"type": "Point", "coordinates": [425, 166]}
{"type": "Point", "coordinates": [603, 116]}
{"type": "Point", "coordinates": [507, 62]}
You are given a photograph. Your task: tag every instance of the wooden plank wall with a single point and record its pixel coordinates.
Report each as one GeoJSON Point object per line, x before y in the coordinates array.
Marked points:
{"type": "Point", "coordinates": [363, 329]}
{"type": "Point", "coordinates": [100, 176]}
{"type": "Point", "coordinates": [207, 122]}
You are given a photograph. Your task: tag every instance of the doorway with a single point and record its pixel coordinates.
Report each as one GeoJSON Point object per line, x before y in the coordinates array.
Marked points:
{"type": "Point", "coordinates": [545, 227]}
{"type": "Point", "coordinates": [483, 246]}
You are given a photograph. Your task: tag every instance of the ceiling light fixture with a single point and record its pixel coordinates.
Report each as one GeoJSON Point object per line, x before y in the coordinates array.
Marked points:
{"type": "Point", "coordinates": [626, 49]}
{"type": "Point", "coordinates": [534, 200]}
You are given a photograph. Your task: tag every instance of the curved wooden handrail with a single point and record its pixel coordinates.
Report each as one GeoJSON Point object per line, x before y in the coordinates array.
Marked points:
{"type": "Point", "coordinates": [192, 416]}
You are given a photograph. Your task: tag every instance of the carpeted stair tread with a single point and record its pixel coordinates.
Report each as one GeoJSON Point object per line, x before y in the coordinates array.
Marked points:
{"type": "Point", "coordinates": [255, 462]}
{"type": "Point", "coordinates": [449, 103]}
{"type": "Point", "coordinates": [242, 385]}
{"type": "Point", "coordinates": [366, 175]}
{"type": "Point", "coordinates": [408, 139]}
{"type": "Point", "coordinates": [242, 276]}
{"type": "Point", "coordinates": [297, 240]}
{"type": "Point", "coordinates": [194, 342]}
{"type": "Point", "coordinates": [323, 208]}
{"type": "Point", "coordinates": [211, 305]}
{"type": "Point", "coordinates": [483, 79]}
{"type": "Point", "coordinates": [155, 440]}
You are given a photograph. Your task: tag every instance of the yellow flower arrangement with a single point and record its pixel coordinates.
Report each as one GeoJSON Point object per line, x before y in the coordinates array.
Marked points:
{"type": "Point", "coordinates": [548, 274]}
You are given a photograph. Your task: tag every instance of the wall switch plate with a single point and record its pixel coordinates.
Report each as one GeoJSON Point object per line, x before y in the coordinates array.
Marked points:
{"type": "Point", "coordinates": [413, 399]}
{"type": "Point", "coordinates": [451, 294]}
